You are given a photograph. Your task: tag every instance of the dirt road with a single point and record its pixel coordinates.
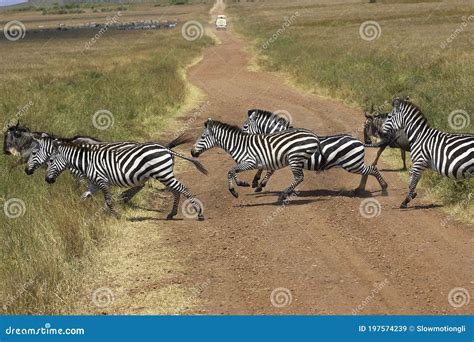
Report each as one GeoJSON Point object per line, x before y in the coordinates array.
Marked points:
{"type": "Point", "coordinates": [318, 255]}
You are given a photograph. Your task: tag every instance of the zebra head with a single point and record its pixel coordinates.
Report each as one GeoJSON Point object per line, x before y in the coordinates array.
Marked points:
{"type": "Point", "coordinates": [264, 122]}
{"type": "Point", "coordinates": [206, 141]}
{"type": "Point", "coordinates": [394, 121]}
{"type": "Point", "coordinates": [39, 155]}
{"type": "Point", "coordinates": [251, 125]}
{"type": "Point", "coordinates": [56, 165]}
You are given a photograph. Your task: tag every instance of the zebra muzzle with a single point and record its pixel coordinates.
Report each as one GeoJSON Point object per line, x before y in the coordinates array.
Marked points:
{"type": "Point", "coordinates": [29, 172]}
{"type": "Point", "coordinates": [194, 153]}
{"type": "Point", "coordinates": [50, 180]}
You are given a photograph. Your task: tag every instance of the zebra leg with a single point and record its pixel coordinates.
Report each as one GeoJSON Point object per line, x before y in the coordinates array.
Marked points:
{"type": "Point", "coordinates": [297, 170]}
{"type": "Point", "coordinates": [174, 211]}
{"type": "Point", "coordinates": [178, 189]}
{"type": "Point", "coordinates": [365, 171]}
{"type": "Point", "coordinates": [264, 181]}
{"type": "Point", "coordinates": [241, 182]}
{"type": "Point", "coordinates": [404, 158]}
{"type": "Point", "coordinates": [91, 189]}
{"type": "Point", "coordinates": [379, 153]}
{"type": "Point", "coordinates": [107, 197]}
{"type": "Point", "coordinates": [127, 195]}
{"type": "Point", "coordinates": [232, 175]}
{"type": "Point", "coordinates": [415, 175]}
{"type": "Point", "coordinates": [256, 178]}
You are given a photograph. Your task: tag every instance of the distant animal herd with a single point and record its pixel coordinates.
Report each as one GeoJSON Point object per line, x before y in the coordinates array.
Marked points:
{"type": "Point", "coordinates": [266, 141]}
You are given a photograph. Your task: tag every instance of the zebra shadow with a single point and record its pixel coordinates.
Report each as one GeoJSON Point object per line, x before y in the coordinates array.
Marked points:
{"type": "Point", "coordinates": [293, 201]}
{"type": "Point", "coordinates": [151, 218]}
{"type": "Point", "coordinates": [421, 207]}
{"type": "Point", "coordinates": [323, 193]}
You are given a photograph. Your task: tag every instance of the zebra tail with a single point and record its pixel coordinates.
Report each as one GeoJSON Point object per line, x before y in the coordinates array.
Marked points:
{"type": "Point", "coordinates": [182, 139]}
{"type": "Point", "coordinates": [197, 164]}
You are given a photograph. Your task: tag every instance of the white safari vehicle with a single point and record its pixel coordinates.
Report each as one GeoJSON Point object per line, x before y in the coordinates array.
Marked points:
{"type": "Point", "coordinates": [221, 22]}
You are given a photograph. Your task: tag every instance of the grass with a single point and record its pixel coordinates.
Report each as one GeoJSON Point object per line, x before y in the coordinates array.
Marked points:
{"type": "Point", "coordinates": [423, 51]}
{"type": "Point", "coordinates": [53, 83]}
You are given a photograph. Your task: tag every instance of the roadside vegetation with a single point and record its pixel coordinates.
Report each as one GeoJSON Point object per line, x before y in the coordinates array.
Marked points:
{"type": "Point", "coordinates": [421, 49]}
{"type": "Point", "coordinates": [55, 83]}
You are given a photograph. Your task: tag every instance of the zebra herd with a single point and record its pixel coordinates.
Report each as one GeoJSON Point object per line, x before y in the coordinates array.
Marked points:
{"type": "Point", "coordinates": [265, 142]}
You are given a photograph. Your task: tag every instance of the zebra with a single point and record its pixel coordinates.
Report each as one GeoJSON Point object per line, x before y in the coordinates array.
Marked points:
{"type": "Point", "coordinates": [255, 151]}
{"type": "Point", "coordinates": [451, 155]}
{"type": "Point", "coordinates": [373, 126]}
{"type": "Point", "coordinates": [341, 150]}
{"type": "Point", "coordinates": [43, 147]}
{"type": "Point", "coordinates": [126, 165]}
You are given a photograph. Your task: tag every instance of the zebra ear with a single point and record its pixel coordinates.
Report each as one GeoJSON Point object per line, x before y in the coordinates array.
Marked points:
{"type": "Point", "coordinates": [56, 143]}
{"type": "Point", "coordinates": [250, 112]}
{"type": "Point", "coordinates": [367, 115]}
{"type": "Point", "coordinates": [44, 135]}
{"type": "Point", "coordinates": [396, 102]}
{"type": "Point", "coordinates": [407, 98]}
{"type": "Point", "coordinates": [206, 123]}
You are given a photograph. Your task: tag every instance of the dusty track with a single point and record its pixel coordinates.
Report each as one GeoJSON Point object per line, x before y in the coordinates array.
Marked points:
{"type": "Point", "coordinates": [319, 247]}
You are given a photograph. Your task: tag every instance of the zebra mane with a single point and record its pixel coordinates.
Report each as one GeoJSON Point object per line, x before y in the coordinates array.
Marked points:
{"type": "Point", "coordinates": [219, 124]}
{"type": "Point", "coordinates": [410, 105]}
{"type": "Point", "coordinates": [268, 114]}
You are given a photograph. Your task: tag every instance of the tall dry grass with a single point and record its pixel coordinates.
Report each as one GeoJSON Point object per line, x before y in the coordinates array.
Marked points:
{"type": "Point", "coordinates": [56, 85]}
{"type": "Point", "coordinates": [423, 50]}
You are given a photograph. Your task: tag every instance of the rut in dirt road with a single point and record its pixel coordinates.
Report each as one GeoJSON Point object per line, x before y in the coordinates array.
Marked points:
{"type": "Point", "coordinates": [323, 253]}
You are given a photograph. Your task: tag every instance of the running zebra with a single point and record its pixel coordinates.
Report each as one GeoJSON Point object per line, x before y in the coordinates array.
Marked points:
{"type": "Point", "coordinates": [127, 165]}
{"type": "Point", "coordinates": [373, 127]}
{"type": "Point", "coordinates": [451, 155]}
{"type": "Point", "coordinates": [340, 150]}
{"type": "Point", "coordinates": [251, 151]}
{"type": "Point", "coordinates": [43, 146]}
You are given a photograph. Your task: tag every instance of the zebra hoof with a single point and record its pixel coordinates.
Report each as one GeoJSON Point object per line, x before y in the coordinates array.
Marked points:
{"type": "Point", "coordinates": [234, 193]}
{"type": "Point", "coordinates": [200, 218]}
{"type": "Point", "coordinates": [384, 192]}
{"type": "Point", "coordinates": [169, 217]}
{"type": "Point", "coordinates": [254, 185]}
{"type": "Point", "coordinates": [403, 205]}
{"type": "Point", "coordinates": [259, 189]}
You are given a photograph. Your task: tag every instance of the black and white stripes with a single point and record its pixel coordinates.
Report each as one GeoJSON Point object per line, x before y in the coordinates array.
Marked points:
{"type": "Point", "coordinates": [129, 165]}
{"type": "Point", "coordinates": [252, 151]}
{"type": "Point", "coordinates": [336, 150]}
{"type": "Point", "coordinates": [449, 154]}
